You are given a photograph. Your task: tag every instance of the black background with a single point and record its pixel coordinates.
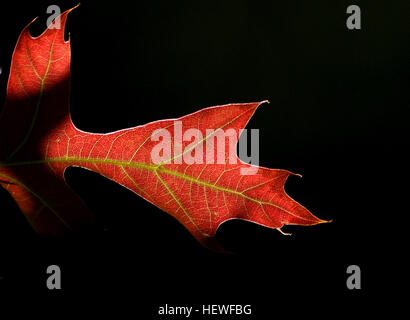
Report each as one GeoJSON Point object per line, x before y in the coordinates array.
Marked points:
{"type": "Point", "coordinates": [338, 116]}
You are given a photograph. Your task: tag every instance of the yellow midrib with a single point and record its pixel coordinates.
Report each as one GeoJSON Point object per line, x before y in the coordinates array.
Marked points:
{"type": "Point", "coordinates": [153, 168]}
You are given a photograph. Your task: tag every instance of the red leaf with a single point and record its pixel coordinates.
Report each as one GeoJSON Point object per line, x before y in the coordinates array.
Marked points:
{"type": "Point", "coordinates": [39, 141]}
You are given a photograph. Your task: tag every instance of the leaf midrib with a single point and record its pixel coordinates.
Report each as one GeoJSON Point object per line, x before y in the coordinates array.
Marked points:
{"type": "Point", "coordinates": [156, 169]}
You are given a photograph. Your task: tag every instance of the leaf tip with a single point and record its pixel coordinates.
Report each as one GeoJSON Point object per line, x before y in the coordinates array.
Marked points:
{"type": "Point", "coordinates": [261, 102]}
{"type": "Point", "coordinates": [326, 221]}
{"type": "Point", "coordinates": [26, 28]}
{"type": "Point", "coordinates": [75, 7]}
{"type": "Point", "coordinates": [320, 221]}
{"type": "Point", "coordinates": [284, 233]}
{"type": "Point", "coordinates": [33, 20]}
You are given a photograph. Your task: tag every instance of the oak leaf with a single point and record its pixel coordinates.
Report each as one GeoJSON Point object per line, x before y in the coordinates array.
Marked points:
{"type": "Point", "coordinates": [39, 141]}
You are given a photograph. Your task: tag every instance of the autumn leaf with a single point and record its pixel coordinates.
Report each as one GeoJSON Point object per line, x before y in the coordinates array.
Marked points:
{"type": "Point", "coordinates": [39, 141]}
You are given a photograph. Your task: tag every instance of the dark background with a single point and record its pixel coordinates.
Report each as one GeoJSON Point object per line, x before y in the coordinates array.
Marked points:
{"type": "Point", "coordinates": [338, 115]}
